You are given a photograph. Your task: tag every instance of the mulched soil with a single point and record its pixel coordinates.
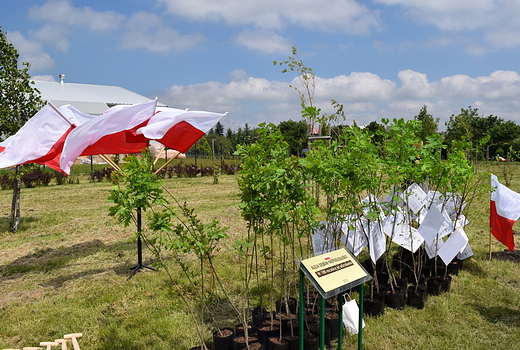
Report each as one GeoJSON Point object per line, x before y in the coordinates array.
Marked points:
{"type": "Point", "coordinates": [507, 255]}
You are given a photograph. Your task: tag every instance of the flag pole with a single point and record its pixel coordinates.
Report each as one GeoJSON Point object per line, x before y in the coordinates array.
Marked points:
{"type": "Point", "coordinates": [159, 155]}
{"type": "Point", "coordinates": [490, 243]}
{"type": "Point", "coordinates": [104, 157]}
{"type": "Point", "coordinates": [110, 162]}
{"type": "Point", "coordinates": [168, 162]}
{"type": "Point", "coordinates": [61, 114]}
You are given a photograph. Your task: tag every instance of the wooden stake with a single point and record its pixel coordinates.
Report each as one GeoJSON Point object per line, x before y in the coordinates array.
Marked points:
{"type": "Point", "coordinates": [159, 155]}
{"type": "Point", "coordinates": [168, 162]}
{"type": "Point", "coordinates": [109, 161]}
{"type": "Point", "coordinates": [490, 242]}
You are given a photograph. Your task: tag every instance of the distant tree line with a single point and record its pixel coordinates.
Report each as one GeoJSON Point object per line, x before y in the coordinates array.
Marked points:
{"type": "Point", "coordinates": [487, 137]}
{"type": "Point", "coordinates": [224, 143]}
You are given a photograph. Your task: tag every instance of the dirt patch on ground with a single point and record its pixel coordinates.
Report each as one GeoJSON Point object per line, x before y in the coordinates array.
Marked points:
{"type": "Point", "coordinates": [507, 255]}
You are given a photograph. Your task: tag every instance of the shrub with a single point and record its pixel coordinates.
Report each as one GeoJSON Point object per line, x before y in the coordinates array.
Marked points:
{"type": "Point", "coordinates": [60, 177]}
{"type": "Point", "coordinates": [206, 171]}
{"type": "Point", "coordinates": [229, 169]}
{"type": "Point", "coordinates": [6, 181]}
{"type": "Point", "coordinates": [185, 170]}
{"type": "Point", "coordinates": [35, 178]}
{"type": "Point", "coordinates": [100, 175]}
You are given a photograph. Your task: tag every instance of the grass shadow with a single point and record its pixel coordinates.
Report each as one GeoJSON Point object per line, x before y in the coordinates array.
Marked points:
{"type": "Point", "coordinates": [496, 314]}
{"type": "Point", "coordinates": [47, 259]}
{"type": "Point", "coordinates": [219, 313]}
{"type": "Point", "coordinates": [472, 266]}
{"type": "Point", "coordinates": [6, 221]}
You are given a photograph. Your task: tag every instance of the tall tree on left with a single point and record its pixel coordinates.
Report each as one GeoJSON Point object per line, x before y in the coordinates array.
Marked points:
{"type": "Point", "coordinates": [19, 101]}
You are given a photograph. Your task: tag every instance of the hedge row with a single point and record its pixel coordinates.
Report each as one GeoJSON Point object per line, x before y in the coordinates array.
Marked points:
{"type": "Point", "coordinates": [39, 177]}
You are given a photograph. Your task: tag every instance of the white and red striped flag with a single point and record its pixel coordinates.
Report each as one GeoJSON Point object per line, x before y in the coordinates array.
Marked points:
{"type": "Point", "coordinates": [5, 142]}
{"type": "Point", "coordinates": [504, 211]}
{"type": "Point", "coordinates": [110, 133]}
{"type": "Point", "coordinates": [39, 140]}
{"type": "Point", "coordinates": [178, 129]}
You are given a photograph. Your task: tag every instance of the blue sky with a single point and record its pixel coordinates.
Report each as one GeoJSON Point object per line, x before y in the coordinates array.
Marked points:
{"type": "Point", "coordinates": [380, 59]}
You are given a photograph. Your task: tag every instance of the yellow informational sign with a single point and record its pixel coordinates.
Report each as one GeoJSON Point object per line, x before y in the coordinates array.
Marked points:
{"type": "Point", "coordinates": [334, 272]}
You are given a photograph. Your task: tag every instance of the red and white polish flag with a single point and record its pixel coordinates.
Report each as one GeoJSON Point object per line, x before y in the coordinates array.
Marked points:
{"type": "Point", "coordinates": [178, 129]}
{"type": "Point", "coordinates": [39, 140]}
{"type": "Point", "coordinates": [504, 211]}
{"type": "Point", "coordinates": [111, 133]}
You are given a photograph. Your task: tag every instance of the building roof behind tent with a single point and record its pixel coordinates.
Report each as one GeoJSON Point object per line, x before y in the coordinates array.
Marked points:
{"type": "Point", "coordinates": [88, 98]}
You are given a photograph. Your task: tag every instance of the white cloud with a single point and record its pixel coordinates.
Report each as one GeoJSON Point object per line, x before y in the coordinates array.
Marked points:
{"type": "Point", "coordinates": [146, 30]}
{"type": "Point", "coordinates": [238, 75]}
{"type": "Point", "coordinates": [414, 84]}
{"type": "Point", "coordinates": [249, 97]}
{"type": "Point", "coordinates": [448, 14]}
{"type": "Point", "coordinates": [366, 97]}
{"type": "Point", "coordinates": [264, 41]}
{"type": "Point", "coordinates": [346, 16]}
{"type": "Point", "coordinates": [495, 22]}
{"type": "Point", "coordinates": [63, 12]}
{"type": "Point", "coordinates": [225, 97]}
{"type": "Point", "coordinates": [48, 78]}
{"type": "Point", "coordinates": [360, 107]}
{"type": "Point", "coordinates": [55, 35]}
{"type": "Point", "coordinates": [31, 51]}
{"type": "Point", "coordinates": [381, 46]}
{"type": "Point", "coordinates": [357, 87]}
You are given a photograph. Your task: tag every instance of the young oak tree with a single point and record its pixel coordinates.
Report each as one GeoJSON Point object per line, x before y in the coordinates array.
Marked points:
{"type": "Point", "coordinates": [19, 101]}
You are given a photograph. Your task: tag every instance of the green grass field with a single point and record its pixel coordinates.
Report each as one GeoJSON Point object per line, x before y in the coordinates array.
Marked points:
{"type": "Point", "coordinates": [66, 269]}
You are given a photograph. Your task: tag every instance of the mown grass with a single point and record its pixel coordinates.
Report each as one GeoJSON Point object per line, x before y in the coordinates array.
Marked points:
{"type": "Point", "coordinates": [66, 271]}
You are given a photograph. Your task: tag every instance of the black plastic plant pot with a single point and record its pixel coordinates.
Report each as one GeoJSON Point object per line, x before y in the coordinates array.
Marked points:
{"type": "Point", "coordinates": [223, 339]}
{"type": "Point", "coordinates": [417, 296]}
{"type": "Point", "coordinates": [374, 306]}
{"type": "Point", "coordinates": [394, 299]}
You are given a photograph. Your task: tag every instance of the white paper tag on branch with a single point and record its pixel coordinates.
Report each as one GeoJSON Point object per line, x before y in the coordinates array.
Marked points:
{"type": "Point", "coordinates": [432, 249]}
{"type": "Point", "coordinates": [376, 242]}
{"type": "Point", "coordinates": [416, 198]}
{"type": "Point", "coordinates": [453, 246]}
{"type": "Point", "coordinates": [431, 224]}
{"type": "Point", "coordinates": [408, 237]}
{"type": "Point", "coordinates": [355, 240]}
{"type": "Point", "coordinates": [323, 239]}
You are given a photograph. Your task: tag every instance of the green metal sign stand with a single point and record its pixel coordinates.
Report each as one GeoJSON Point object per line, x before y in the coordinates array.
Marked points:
{"type": "Point", "coordinates": [360, 324]}
{"type": "Point", "coordinates": [338, 290]}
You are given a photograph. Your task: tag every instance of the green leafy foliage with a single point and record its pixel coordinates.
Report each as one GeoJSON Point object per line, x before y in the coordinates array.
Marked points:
{"type": "Point", "coordinates": [139, 187]}
{"type": "Point", "coordinates": [19, 100]}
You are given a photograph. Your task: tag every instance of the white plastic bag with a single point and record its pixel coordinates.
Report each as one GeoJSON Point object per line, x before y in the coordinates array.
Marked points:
{"type": "Point", "coordinates": [351, 316]}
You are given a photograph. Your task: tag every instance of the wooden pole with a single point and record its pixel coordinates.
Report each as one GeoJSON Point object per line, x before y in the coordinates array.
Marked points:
{"type": "Point", "coordinates": [490, 243]}
{"type": "Point", "coordinates": [168, 162]}
{"type": "Point", "coordinates": [159, 155]}
{"type": "Point", "coordinates": [110, 161]}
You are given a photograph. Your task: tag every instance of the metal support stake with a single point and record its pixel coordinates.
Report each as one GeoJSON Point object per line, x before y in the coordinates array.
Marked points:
{"type": "Point", "coordinates": [341, 298]}
{"type": "Point", "coordinates": [360, 325]}
{"type": "Point", "coordinates": [140, 264]}
{"type": "Point", "coordinates": [302, 312]}
{"type": "Point", "coordinates": [322, 323]}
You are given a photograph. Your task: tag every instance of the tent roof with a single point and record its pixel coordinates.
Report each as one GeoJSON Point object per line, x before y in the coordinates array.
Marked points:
{"type": "Point", "coordinates": [88, 98]}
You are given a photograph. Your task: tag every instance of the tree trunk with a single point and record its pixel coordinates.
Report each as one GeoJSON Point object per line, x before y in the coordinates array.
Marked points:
{"type": "Point", "coordinates": [15, 206]}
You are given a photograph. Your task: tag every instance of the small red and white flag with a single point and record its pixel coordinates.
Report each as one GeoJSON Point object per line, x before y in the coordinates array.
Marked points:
{"type": "Point", "coordinates": [110, 133]}
{"type": "Point", "coordinates": [39, 140]}
{"type": "Point", "coordinates": [504, 211]}
{"type": "Point", "coordinates": [178, 129]}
